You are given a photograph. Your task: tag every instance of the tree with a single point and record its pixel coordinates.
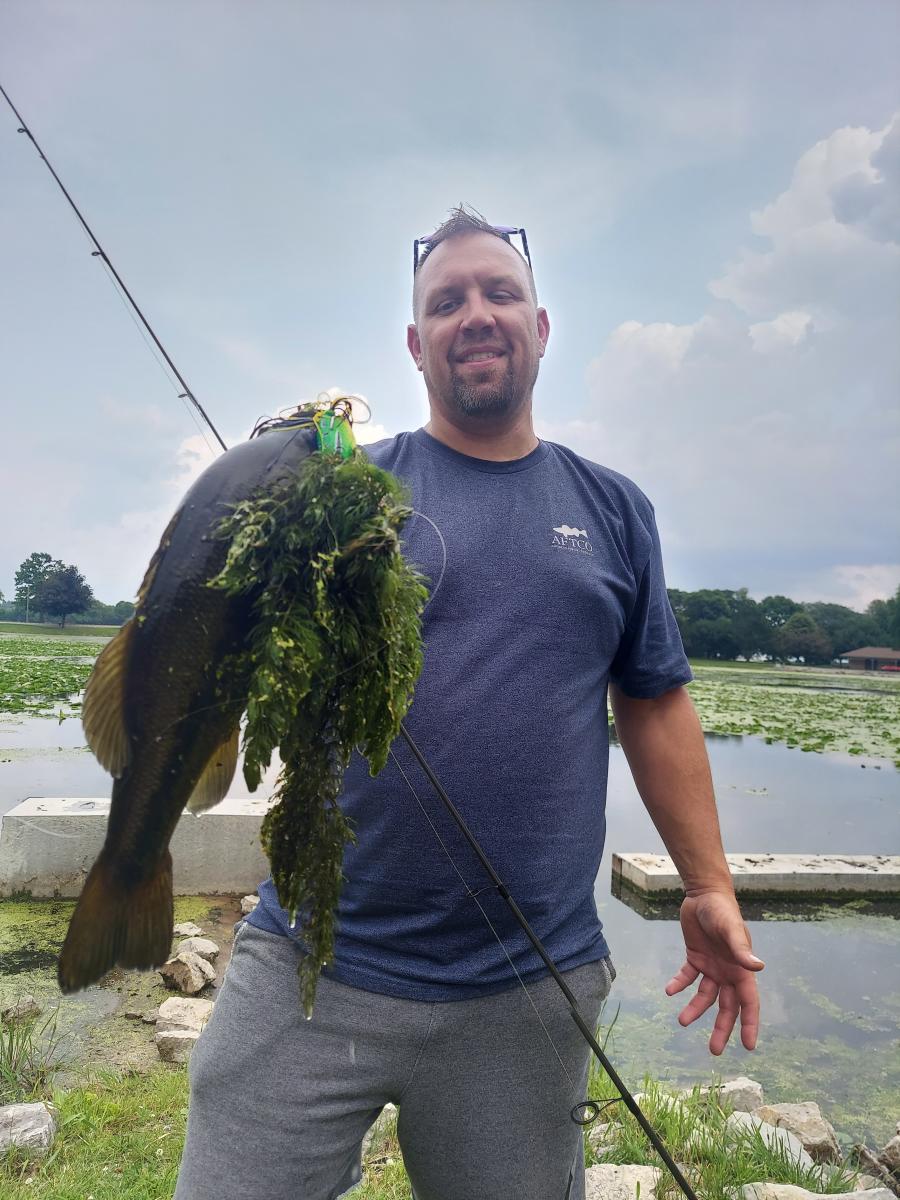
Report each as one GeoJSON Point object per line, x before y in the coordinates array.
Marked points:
{"type": "Point", "coordinates": [845, 628]}
{"type": "Point", "coordinates": [886, 617]}
{"type": "Point", "coordinates": [33, 571]}
{"type": "Point", "coordinates": [778, 609]}
{"type": "Point", "coordinates": [63, 592]}
{"type": "Point", "coordinates": [801, 637]}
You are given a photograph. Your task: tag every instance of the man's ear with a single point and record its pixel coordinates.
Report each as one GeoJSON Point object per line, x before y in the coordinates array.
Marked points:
{"type": "Point", "coordinates": [414, 345]}
{"type": "Point", "coordinates": [543, 328]}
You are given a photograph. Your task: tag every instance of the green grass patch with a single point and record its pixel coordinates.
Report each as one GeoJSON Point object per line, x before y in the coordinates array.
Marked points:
{"type": "Point", "coordinates": [118, 1135]}
{"type": "Point", "coordinates": [54, 631]}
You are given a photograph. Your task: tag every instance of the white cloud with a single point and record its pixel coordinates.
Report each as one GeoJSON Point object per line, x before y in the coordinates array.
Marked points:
{"type": "Point", "coordinates": [767, 432]}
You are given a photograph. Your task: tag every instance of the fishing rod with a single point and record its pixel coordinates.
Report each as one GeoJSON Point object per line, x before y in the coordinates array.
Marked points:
{"type": "Point", "coordinates": [100, 253]}
{"type": "Point", "coordinates": [589, 1110]}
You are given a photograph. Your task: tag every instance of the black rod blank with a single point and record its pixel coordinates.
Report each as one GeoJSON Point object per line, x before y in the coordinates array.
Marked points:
{"type": "Point", "coordinates": [101, 253]}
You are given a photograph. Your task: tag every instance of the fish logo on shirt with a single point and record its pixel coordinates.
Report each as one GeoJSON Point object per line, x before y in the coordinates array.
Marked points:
{"type": "Point", "coordinates": [568, 531]}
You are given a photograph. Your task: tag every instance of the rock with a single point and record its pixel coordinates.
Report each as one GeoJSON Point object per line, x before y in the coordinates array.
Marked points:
{"type": "Point", "coordinates": [805, 1120]}
{"type": "Point", "coordinates": [205, 947]}
{"type": "Point", "coordinates": [176, 1047]}
{"type": "Point", "coordinates": [741, 1124]}
{"type": "Point", "coordinates": [23, 1009]}
{"type": "Point", "coordinates": [376, 1129]}
{"type": "Point", "coordinates": [607, 1182]}
{"type": "Point", "coordinates": [248, 904]}
{"type": "Point", "coordinates": [28, 1126]}
{"type": "Point", "coordinates": [865, 1183]}
{"type": "Point", "coordinates": [890, 1154]}
{"type": "Point", "coordinates": [133, 1014]}
{"type": "Point", "coordinates": [188, 972]}
{"type": "Point", "coordinates": [179, 1024]}
{"type": "Point", "coordinates": [187, 929]}
{"type": "Point", "coordinates": [149, 1018]}
{"type": "Point", "coordinates": [180, 1015]}
{"type": "Point", "coordinates": [742, 1094]}
{"type": "Point", "coordinates": [787, 1191]}
{"type": "Point", "coordinates": [598, 1137]}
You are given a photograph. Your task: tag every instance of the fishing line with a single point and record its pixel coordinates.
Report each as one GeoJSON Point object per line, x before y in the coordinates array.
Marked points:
{"type": "Point", "coordinates": [474, 896]}
{"type": "Point", "coordinates": [159, 362]}
{"type": "Point", "coordinates": [102, 255]}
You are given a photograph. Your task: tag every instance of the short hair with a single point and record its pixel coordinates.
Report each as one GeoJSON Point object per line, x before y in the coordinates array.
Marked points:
{"type": "Point", "coordinates": [463, 222]}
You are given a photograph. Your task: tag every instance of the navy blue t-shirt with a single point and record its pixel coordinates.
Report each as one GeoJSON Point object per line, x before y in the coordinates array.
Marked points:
{"type": "Point", "coordinates": [546, 583]}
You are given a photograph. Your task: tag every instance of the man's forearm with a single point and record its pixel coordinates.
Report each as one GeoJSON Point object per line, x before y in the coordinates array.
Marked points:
{"type": "Point", "coordinates": [664, 745]}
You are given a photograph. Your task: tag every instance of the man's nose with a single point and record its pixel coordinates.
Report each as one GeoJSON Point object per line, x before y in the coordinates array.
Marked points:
{"type": "Point", "coordinates": [477, 314]}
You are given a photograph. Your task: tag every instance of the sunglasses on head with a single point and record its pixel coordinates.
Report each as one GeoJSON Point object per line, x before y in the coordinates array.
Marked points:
{"type": "Point", "coordinates": [507, 232]}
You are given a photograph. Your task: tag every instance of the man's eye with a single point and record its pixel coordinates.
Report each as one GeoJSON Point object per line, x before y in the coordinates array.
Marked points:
{"type": "Point", "coordinates": [445, 306]}
{"type": "Point", "coordinates": [502, 296]}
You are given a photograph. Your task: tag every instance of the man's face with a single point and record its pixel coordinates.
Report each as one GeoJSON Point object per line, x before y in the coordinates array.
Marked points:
{"type": "Point", "coordinates": [478, 337]}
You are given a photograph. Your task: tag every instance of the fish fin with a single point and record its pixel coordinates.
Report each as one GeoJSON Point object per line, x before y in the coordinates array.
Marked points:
{"type": "Point", "coordinates": [152, 566]}
{"type": "Point", "coordinates": [217, 776]}
{"type": "Point", "coordinates": [103, 710]}
{"type": "Point", "coordinates": [117, 924]}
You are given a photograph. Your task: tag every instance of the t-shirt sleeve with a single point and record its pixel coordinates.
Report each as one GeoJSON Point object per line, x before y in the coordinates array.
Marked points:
{"type": "Point", "coordinates": [650, 659]}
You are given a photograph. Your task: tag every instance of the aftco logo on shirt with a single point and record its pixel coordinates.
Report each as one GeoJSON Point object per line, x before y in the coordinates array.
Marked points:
{"type": "Point", "coordinates": [565, 537]}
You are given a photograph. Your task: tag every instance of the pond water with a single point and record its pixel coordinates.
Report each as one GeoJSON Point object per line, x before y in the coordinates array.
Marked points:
{"type": "Point", "coordinates": [831, 988]}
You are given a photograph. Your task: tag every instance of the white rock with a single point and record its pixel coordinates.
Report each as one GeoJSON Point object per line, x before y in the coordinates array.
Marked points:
{"type": "Point", "coordinates": [598, 1137]}
{"type": "Point", "coordinates": [181, 1015]}
{"type": "Point", "coordinates": [377, 1127]}
{"type": "Point", "coordinates": [205, 947]}
{"type": "Point", "coordinates": [31, 1126]}
{"type": "Point", "coordinates": [740, 1125]}
{"type": "Point", "coordinates": [805, 1120]}
{"type": "Point", "coordinates": [188, 972]}
{"type": "Point", "coordinates": [787, 1191]}
{"type": "Point", "coordinates": [248, 903]}
{"type": "Point", "coordinates": [187, 929]}
{"type": "Point", "coordinates": [608, 1182]}
{"type": "Point", "coordinates": [22, 1010]}
{"type": "Point", "coordinates": [743, 1094]}
{"type": "Point", "coordinates": [890, 1154]}
{"type": "Point", "coordinates": [176, 1046]}
{"type": "Point", "coordinates": [179, 1024]}
{"type": "Point", "coordinates": [865, 1183]}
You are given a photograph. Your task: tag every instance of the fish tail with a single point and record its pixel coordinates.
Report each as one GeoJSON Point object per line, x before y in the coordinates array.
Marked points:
{"type": "Point", "coordinates": [118, 923]}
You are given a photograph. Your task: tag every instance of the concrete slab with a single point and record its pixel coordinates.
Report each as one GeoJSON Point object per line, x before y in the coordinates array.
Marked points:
{"type": "Point", "coordinates": [48, 844]}
{"type": "Point", "coordinates": [819, 876]}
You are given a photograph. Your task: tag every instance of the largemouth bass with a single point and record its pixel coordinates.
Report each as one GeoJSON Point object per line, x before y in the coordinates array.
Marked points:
{"type": "Point", "coordinates": [161, 713]}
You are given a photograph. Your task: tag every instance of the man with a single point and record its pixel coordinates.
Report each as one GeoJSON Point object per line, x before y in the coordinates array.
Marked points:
{"type": "Point", "coordinates": [547, 588]}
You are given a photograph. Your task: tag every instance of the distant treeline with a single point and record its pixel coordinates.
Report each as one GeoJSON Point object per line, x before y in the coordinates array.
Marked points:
{"type": "Point", "coordinates": [97, 614]}
{"type": "Point", "coordinates": [716, 623]}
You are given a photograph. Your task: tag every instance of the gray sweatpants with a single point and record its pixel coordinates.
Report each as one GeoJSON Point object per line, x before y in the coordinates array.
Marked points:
{"type": "Point", "coordinates": [280, 1105]}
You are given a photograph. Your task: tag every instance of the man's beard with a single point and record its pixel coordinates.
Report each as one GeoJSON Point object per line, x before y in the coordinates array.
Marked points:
{"type": "Point", "coordinates": [486, 400]}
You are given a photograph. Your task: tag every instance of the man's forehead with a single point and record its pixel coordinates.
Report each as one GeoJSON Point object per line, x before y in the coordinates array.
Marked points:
{"type": "Point", "coordinates": [481, 253]}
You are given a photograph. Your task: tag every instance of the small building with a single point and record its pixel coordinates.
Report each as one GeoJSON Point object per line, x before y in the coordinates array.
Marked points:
{"type": "Point", "coordinates": [872, 658]}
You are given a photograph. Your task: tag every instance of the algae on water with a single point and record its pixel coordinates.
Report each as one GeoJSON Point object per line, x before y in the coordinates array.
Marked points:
{"type": "Point", "coordinates": [335, 651]}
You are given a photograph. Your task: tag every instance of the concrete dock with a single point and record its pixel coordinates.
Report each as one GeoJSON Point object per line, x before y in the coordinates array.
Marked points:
{"type": "Point", "coordinates": [48, 844]}
{"type": "Point", "coordinates": [816, 876]}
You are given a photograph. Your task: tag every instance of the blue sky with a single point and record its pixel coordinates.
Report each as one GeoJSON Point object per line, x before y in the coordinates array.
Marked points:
{"type": "Point", "coordinates": [711, 196]}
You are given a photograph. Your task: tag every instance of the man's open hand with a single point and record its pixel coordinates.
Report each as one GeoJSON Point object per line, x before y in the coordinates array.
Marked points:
{"type": "Point", "coordinates": [718, 949]}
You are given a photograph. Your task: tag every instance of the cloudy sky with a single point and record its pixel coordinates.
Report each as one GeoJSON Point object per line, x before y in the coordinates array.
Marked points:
{"type": "Point", "coordinates": [711, 192]}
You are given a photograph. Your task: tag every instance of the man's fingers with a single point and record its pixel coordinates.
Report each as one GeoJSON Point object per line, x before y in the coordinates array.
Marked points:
{"type": "Point", "coordinates": [727, 1015]}
{"type": "Point", "coordinates": [683, 979]}
{"type": "Point", "coordinates": [749, 1016]}
{"type": "Point", "coordinates": [706, 996]}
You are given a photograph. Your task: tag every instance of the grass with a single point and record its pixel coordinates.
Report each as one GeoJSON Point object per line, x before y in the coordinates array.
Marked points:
{"type": "Point", "coordinates": [32, 628]}
{"type": "Point", "coordinates": [29, 1058]}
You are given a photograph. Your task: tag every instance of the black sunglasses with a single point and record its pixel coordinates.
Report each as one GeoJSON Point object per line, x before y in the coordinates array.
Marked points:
{"type": "Point", "coordinates": [507, 232]}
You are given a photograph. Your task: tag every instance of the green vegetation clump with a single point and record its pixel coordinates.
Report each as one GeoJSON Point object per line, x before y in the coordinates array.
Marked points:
{"type": "Point", "coordinates": [335, 651]}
